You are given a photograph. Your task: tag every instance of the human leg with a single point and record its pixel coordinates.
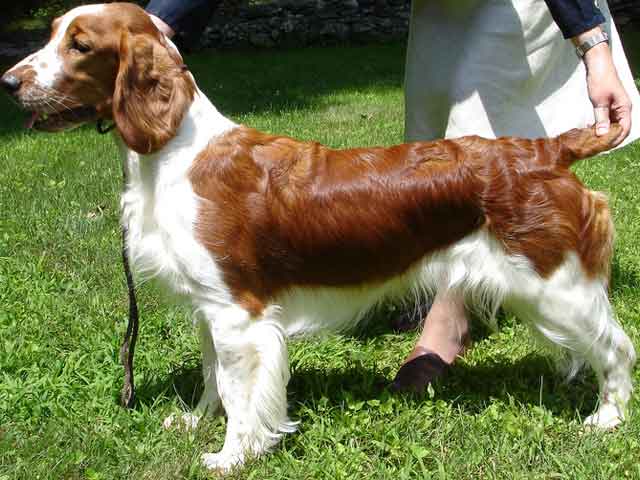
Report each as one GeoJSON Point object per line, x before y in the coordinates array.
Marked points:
{"type": "Point", "coordinates": [444, 334]}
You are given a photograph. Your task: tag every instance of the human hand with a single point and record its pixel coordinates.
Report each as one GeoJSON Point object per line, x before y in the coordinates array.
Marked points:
{"type": "Point", "coordinates": [608, 95]}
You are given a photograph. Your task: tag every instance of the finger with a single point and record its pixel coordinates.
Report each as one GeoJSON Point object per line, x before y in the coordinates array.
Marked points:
{"type": "Point", "coordinates": [602, 119]}
{"type": "Point", "coordinates": [623, 116]}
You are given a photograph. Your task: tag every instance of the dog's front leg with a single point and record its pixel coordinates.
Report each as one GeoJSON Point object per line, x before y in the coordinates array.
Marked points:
{"type": "Point", "coordinates": [252, 374]}
{"type": "Point", "coordinates": [209, 402]}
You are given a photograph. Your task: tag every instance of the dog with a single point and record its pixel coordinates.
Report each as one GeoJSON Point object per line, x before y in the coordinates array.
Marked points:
{"type": "Point", "coordinates": [271, 237]}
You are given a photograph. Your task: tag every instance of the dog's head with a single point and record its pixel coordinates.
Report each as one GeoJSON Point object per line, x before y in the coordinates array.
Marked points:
{"type": "Point", "coordinates": [105, 62]}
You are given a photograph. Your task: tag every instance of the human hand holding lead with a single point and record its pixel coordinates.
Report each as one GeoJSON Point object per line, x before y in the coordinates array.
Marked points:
{"type": "Point", "coordinates": [610, 100]}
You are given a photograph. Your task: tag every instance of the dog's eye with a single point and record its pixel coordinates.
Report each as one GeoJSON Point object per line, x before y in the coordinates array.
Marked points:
{"type": "Point", "coordinates": [79, 46]}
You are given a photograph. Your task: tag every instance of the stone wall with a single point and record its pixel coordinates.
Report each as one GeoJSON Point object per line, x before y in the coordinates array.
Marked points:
{"type": "Point", "coordinates": [272, 23]}
{"type": "Point", "coordinates": [308, 22]}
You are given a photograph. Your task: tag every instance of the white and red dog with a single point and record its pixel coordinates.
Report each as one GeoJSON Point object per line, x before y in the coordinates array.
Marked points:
{"type": "Point", "coordinates": [271, 237]}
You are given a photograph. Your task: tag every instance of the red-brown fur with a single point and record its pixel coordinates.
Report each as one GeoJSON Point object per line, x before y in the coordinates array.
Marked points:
{"type": "Point", "coordinates": [281, 212]}
{"type": "Point", "coordinates": [152, 91]}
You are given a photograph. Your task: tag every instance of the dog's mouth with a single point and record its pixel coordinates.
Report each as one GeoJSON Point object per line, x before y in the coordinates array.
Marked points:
{"type": "Point", "coordinates": [59, 121]}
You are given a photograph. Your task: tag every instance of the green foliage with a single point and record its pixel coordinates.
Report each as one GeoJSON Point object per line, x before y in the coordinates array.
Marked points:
{"type": "Point", "coordinates": [39, 9]}
{"type": "Point", "coordinates": [47, 10]}
{"type": "Point", "coordinates": [43, 10]}
{"type": "Point", "coordinates": [502, 412]}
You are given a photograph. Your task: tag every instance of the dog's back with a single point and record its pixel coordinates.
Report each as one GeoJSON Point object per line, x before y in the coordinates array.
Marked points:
{"type": "Point", "coordinates": [313, 216]}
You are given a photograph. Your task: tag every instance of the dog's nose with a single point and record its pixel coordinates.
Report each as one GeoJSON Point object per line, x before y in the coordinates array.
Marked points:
{"type": "Point", "coordinates": [10, 82]}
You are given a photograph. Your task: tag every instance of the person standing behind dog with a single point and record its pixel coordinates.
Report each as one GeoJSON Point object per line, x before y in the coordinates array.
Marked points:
{"type": "Point", "coordinates": [489, 68]}
{"type": "Point", "coordinates": [502, 68]}
{"type": "Point", "coordinates": [187, 17]}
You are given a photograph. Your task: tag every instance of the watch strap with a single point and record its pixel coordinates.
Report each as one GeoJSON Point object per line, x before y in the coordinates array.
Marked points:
{"type": "Point", "coordinates": [591, 42]}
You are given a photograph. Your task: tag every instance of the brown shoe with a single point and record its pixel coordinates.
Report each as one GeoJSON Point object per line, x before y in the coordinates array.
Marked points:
{"type": "Point", "coordinates": [419, 372]}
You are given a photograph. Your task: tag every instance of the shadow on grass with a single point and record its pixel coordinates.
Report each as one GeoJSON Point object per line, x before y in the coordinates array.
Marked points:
{"type": "Point", "coordinates": [239, 83]}
{"type": "Point", "coordinates": [185, 383]}
{"type": "Point", "coordinates": [530, 381]}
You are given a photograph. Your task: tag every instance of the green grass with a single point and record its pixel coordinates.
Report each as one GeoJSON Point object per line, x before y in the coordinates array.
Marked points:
{"type": "Point", "coordinates": [502, 413]}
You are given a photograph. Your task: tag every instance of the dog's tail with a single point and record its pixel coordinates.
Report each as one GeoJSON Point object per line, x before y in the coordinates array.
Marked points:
{"type": "Point", "coordinates": [582, 143]}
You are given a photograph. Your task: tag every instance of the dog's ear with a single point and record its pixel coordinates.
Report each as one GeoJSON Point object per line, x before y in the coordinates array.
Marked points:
{"type": "Point", "coordinates": [153, 90]}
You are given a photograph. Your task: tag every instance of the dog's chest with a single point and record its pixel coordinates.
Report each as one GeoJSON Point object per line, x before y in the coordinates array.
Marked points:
{"type": "Point", "coordinates": [159, 210]}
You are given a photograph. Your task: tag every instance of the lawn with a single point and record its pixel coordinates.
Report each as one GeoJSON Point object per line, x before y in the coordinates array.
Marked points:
{"type": "Point", "coordinates": [502, 413]}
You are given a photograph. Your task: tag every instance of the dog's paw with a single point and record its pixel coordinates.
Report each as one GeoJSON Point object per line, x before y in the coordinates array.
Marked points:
{"type": "Point", "coordinates": [221, 461]}
{"type": "Point", "coordinates": [607, 417]}
{"type": "Point", "coordinates": [181, 421]}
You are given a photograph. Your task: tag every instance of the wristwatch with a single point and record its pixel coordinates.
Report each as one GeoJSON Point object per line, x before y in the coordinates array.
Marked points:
{"type": "Point", "coordinates": [591, 42]}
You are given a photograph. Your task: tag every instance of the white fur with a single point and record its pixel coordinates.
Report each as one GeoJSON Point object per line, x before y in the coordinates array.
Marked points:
{"type": "Point", "coordinates": [245, 359]}
{"type": "Point", "coordinates": [476, 266]}
{"type": "Point", "coordinates": [159, 209]}
{"type": "Point", "coordinates": [574, 313]}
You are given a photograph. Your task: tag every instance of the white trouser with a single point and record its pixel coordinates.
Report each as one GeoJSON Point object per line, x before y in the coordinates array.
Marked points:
{"type": "Point", "coordinates": [498, 67]}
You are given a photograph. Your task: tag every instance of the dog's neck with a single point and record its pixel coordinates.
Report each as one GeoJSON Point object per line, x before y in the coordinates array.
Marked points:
{"type": "Point", "coordinates": [201, 124]}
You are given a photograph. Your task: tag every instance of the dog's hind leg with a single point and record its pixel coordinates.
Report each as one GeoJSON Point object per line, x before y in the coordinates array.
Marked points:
{"type": "Point", "coordinates": [209, 402]}
{"type": "Point", "coordinates": [573, 312]}
{"type": "Point", "coordinates": [252, 374]}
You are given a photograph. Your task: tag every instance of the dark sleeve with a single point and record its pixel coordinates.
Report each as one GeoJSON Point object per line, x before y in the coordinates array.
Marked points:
{"type": "Point", "coordinates": [574, 17]}
{"type": "Point", "coordinates": [178, 13]}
